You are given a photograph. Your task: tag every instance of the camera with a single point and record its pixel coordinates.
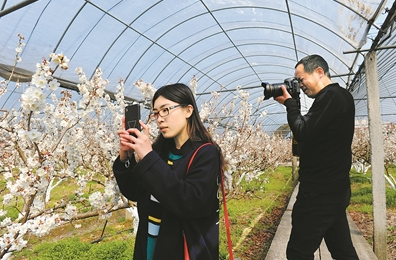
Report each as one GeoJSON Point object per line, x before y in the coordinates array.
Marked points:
{"type": "Point", "coordinates": [274, 90]}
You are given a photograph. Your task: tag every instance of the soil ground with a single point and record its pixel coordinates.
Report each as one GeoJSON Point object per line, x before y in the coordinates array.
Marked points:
{"type": "Point", "coordinates": [365, 224]}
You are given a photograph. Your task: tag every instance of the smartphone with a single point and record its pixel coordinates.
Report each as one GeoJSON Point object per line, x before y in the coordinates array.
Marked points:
{"type": "Point", "coordinates": [132, 117]}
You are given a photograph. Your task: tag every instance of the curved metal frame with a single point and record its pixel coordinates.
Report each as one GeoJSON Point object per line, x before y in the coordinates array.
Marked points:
{"type": "Point", "coordinates": [204, 72]}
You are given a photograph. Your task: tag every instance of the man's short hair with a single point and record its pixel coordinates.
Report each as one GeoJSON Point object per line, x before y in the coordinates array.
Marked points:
{"type": "Point", "coordinates": [312, 62]}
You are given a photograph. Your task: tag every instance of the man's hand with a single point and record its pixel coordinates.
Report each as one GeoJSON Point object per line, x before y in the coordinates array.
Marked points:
{"type": "Point", "coordinates": [286, 95]}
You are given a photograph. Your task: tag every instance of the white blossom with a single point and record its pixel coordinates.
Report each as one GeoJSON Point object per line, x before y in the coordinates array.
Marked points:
{"type": "Point", "coordinates": [39, 81]}
{"type": "Point", "coordinates": [7, 198]}
{"type": "Point", "coordinates": [53, 85]}
{"type": "Point", "coordinates": [33, 135]}
{"type": "Point", "coordinates": [33, 99]}
{"type": "Point", "coordinates": [96, 199]}
{"type": "Point", "coordinates": [2, 212]}
{"type": "Point", "coordinates": [70, 211]}
{"type": "Point", "coordinates": [6, 222]}
{"type": "Point", "coordinates": [146, 89]}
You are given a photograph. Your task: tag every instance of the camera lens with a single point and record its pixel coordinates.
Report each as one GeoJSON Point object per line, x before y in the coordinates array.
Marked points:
{"type": "Point", "coordinates": [272, 90]}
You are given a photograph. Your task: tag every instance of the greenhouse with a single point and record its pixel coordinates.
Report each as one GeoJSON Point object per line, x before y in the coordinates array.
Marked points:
{"type": "Point", "coordinates": [69, 68]}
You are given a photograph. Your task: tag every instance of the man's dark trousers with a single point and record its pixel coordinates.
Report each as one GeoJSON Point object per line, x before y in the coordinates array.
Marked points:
{"type": "Point", "coordinates": [316, 216]}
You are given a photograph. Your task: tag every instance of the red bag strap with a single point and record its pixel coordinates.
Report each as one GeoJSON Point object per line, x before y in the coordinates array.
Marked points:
{"type": "Point", "coordinates": [227, 222]}
{"type": "Point", "coordinates": [195, 152]}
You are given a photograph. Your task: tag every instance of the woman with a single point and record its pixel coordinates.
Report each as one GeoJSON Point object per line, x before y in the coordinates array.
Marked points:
{"type": "Point", "coordinates": [172, 202]}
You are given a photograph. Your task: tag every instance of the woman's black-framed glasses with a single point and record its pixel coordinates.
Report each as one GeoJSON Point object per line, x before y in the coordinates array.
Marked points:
{"type": "Point", "coordinates": [163, 112]}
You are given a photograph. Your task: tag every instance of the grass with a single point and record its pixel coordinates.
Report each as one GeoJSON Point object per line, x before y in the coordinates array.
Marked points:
{"type": "Point", "coordinates": [362, 199]}
{"type": "Point", "coordinates": [362, 202]}
{"type": "Point", "coordinates": [118, 229]}
{"type": "Point", "coordinates": [254, 202]}
{"type": "Point", "coordinates": [73, 248]}
{"type": "Point", "coordinates": [261, 198]}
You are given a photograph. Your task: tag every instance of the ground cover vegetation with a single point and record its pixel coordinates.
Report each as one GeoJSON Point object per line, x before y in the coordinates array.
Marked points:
{"type": "Point", "coordinates": [253, 214]}
{"type": "Point", "coordinates": [56, 156]}
{"type": "Point", "coordinates": [361, 208]}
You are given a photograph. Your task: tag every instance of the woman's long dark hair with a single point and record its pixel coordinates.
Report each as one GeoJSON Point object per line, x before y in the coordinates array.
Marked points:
{"type": "Point", "coordinates": [182, 94]}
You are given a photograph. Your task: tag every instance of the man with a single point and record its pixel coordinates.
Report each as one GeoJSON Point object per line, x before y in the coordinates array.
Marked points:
{"type": "Point", "coordinates": [324, 138]}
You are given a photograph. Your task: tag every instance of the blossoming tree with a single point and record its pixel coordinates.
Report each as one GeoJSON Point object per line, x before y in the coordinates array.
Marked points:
{"type": "Point", "coordinates": [361, 150]}
{"type": "Point", "coordinates": [47, 143]}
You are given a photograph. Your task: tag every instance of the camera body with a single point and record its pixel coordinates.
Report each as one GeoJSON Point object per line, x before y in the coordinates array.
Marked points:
{"type": "Point", "coordinates": [274, 90]}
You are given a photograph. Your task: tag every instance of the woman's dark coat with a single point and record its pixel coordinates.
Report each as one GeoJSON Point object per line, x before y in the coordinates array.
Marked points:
{"type": "Point", "coordinates": [189, 201]}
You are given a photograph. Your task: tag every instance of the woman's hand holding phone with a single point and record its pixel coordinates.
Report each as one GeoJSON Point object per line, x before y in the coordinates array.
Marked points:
{"type": "Point", "coordinates": [140, 140]}
{"type": "Point", "coordinates": [131, 138]}
{"type": "Point", "coordinates": [125, 150]}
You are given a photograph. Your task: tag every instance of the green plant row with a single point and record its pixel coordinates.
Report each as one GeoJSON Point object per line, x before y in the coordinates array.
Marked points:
{"type": "Point", "coordinates": [73, 248]}
{"type": "Point", "coordinates": [362, 191]}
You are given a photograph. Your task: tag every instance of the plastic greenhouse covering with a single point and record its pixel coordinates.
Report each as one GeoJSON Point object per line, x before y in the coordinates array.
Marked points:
{"type": "Point", "coordinates": [227, 46]}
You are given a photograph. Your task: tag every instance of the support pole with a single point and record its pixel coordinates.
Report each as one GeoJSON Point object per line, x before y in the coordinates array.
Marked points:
{"type": "Point", "coordinates": [377, 156]}
{"type": "Point", "coordinates": [16, 7]}
{"type": "Point", "coordinates": [295, 168]}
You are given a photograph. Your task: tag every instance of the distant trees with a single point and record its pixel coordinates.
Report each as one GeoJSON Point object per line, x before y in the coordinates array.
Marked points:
{"type": "Point", "coordinates": [361, 150]}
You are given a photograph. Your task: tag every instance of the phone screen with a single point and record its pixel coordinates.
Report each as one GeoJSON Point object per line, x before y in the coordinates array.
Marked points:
{"type": "Point", "coordinates": [132, 116]}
